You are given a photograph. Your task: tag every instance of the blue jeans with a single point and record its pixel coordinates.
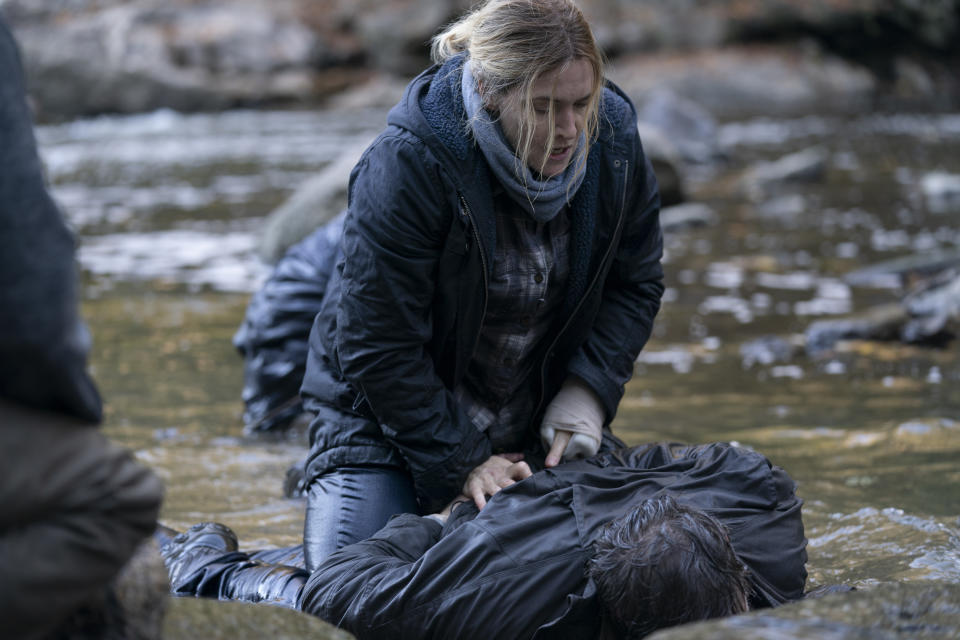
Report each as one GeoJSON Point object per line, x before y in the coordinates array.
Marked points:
{"type": "Point", "coordinates": [350, 504]}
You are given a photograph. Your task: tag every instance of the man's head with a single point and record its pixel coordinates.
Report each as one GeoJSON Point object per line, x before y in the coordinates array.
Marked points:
{"type": "Point", "coordinates": [664, 564]}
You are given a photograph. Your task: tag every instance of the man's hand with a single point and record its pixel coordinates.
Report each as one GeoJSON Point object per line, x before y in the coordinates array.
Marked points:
{"type": "Point", "coordinates": [497, 472]}
{"type": "Point", "coordinates": [442, 516]}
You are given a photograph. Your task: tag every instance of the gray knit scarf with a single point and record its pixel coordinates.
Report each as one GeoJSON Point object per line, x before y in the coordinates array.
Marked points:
{"type": "Point", "coordinates": [542, 199]}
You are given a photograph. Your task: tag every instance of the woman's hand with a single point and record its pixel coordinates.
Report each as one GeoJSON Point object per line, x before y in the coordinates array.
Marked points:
{"type": "Point", "coordinates": [558, 447]}
{"type": "Point", "coordinates": [572, 425]}
{"type": "Point", "coordinates": [497, 472]}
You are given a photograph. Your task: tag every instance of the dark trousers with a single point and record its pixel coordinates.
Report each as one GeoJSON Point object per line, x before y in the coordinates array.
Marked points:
{"type": "Point", "coordinates": [73, 508]}
{"type": "Point", "coordinates": [350, 504]}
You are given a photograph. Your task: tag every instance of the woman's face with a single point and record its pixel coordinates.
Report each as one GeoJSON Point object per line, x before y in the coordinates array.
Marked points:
{"type": "Point", "coordinates": [568, 91]}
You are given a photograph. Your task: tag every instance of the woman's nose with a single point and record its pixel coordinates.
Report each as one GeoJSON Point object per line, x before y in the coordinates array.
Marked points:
{"type": "Point", "coordinates": [566, 123]}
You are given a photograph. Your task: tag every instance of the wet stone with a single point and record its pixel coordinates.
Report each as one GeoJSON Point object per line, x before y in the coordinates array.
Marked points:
{"type": "Point", "coordinates": [879, 323]}
{"type": "Point", "coordinates": [766, 350]}
{"type": "Point", "coordinates": [690, 126]}
{"type": "Point", "coordinates": [688, 215]}
{"type": "Point", "coordinates": [887, 611]}
{"type": "Point", "coordinates": [899, 270]}
{"type": "Point", "coordinates": [941, 192]}
{"type": "Point", "coordinates": [189, 618]}
{"type": "Point", "coordinates": [770, 178]}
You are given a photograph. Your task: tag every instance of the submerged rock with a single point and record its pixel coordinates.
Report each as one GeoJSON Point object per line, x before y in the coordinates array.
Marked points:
{"type": "Point", "coordinates": [899, 271]}
{"type": "Point", "coordinates": [929, 315]}
{"type": "Point", "coordinates": [889, 611]}
{"type": "Point", "coordinates": [685, 216]}
{"type": "Point", "coordinates": [934, 310]}
{"type": "Point", "coordinates": [941, 192]}
{"type": "Point", "coordinates": [769, 178]}
{"type": "Point", "coordinates": [767, 350]}
{"type": "Point", "coordinates": [879, 323]}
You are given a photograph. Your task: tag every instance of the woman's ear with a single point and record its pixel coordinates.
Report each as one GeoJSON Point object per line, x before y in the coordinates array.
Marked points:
{"type": "Point", "coordinates": [488, 102]}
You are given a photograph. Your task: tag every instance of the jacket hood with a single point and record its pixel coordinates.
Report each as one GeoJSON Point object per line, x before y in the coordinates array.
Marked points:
{"type": "Point", "coordinates": [432, 108]}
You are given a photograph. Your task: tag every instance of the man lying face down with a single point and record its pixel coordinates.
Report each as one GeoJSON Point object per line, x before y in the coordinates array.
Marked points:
{"type": "Point", "coordinates": [617, 545]}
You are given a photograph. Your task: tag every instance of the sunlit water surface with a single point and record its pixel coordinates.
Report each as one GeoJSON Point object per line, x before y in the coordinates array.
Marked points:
{"type": "Point", "coordinates": [168, 208]}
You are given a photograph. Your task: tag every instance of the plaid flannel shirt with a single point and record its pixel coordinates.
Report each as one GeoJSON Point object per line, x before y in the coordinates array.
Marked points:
{"type": "Point", "coordinates": [526, 291]}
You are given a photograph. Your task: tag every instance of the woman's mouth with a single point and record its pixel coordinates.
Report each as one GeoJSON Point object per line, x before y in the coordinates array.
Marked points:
{"type": "Point", "coordinates": [559, 153]}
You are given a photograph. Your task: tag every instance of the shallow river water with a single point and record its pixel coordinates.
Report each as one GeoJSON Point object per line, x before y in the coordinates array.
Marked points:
{"type": "Point", "coordinates": [168, 208]}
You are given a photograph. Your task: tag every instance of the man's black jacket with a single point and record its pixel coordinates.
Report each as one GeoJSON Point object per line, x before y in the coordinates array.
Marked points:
{"type": "Point", "coordinates": [516, 570]}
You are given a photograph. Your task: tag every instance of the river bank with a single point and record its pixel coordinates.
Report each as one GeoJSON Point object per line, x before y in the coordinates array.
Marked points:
{"type": "Point", "coordinates": [735, 58]}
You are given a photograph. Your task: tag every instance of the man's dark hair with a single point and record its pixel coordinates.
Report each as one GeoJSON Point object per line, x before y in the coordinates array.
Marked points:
{"type": "Point", "coordinates": [664, 564]}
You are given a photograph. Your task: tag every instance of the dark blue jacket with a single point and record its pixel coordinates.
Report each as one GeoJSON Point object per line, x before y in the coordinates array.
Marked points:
{"type": "Point", "coordinates": [401, 320]}
{"type": "Point", "coordinates": [43, 343]}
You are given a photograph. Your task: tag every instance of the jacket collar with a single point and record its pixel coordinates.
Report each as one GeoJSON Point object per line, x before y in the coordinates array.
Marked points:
{"type": "Point", "coordinates": [432, 108]}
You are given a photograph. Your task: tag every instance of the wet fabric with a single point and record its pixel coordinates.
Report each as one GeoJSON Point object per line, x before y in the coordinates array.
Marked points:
{"type": "Point", "coordinates": [350, 504]}
{"type": "Point", "coordinates": [272, 339]}
{"type": "Point", "coordinates": [43, 343]}
{"type": "Point", "coordinates": [204, 562]}
{"type": "Point", "coordinates": [516, 568]}
{"type": "Point", "coordinates": [74, 509]}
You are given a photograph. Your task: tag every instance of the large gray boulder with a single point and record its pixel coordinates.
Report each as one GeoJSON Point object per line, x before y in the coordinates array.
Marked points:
{"type": "Point", "coordinates": [888, 611]}
{"type": "Point", "coordinates": [313, 204]}
{"type": "Point", "coordinates": [737, 81]}
{"type": "Point", "coordinates": [650, 24]}
{"type": "Point", "coordinates": [141, 56]}
{"type": "Point", "coordinates": [690, 127]}
{"type": "Point", "coordinates": [117, 55]}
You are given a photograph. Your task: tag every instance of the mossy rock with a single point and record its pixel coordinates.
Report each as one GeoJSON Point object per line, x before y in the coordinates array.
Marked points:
{"type": "Point", "coordinates": [889, 611]}
{"type": "Point", "coordinates": [193, 618]}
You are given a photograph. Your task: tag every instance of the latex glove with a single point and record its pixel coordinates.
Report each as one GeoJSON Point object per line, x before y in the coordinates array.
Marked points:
{"type": "Point", "coordinates": [572, 423]}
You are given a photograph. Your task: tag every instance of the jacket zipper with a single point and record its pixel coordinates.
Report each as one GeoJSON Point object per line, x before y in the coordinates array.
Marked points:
{"type": "Point", "coordinates": [586, 293]}
{"type": "Point", "coordinates": [483, 264]}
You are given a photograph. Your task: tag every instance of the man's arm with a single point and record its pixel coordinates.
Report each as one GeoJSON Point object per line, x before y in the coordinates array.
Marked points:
{"type": "Point", "coordinates": [502, 574]}
{"type": "Point", "coordinates": [345, 585]}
